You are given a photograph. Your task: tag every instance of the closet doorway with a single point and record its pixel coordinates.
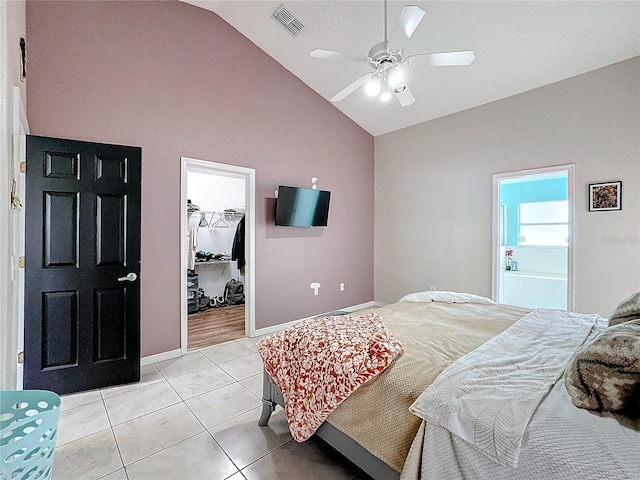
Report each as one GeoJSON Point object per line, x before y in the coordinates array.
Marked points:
{"type": "Point", "coordinates": [217, 253]}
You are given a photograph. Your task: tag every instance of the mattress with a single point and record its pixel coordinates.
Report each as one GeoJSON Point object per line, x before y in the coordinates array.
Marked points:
{"type": "Point", "coordinates": [434, 335]}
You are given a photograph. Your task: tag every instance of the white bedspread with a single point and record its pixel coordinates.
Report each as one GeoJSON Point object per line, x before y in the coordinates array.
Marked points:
{"type": "Point", "coordinates": [446, 297]}
{"type": "Point", "coordinates": [562, 442]}
{"type": "Point", "coordinates": [488, 396]}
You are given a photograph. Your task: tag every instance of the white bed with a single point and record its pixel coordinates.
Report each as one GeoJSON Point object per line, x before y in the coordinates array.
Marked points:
{"type": "Point", "coordinates": [562, 442]}
{"type": "Point", "coordinates": [374, 429]}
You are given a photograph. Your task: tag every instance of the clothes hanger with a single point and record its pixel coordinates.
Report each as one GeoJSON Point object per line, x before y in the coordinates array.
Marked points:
{"type": "Point", "coordinates": [203, 220]}
{"type": "Point", "coordinates": [221, 222]}
{"type": "Point", "coordinates": [211, 222]}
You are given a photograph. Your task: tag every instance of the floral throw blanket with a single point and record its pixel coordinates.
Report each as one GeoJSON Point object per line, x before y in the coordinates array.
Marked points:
{"type": "Point", "coordinates": [317, 363]}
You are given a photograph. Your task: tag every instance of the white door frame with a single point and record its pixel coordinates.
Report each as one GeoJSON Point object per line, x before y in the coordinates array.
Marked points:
{"type": "Point", "coordinates": [249, 175]}
{"type": "Point", "coordinates": [21, 130]}
{"type": "Point", "coordinates": [495, 250]}
{"type": "Point", "coordinates": [7, 323]}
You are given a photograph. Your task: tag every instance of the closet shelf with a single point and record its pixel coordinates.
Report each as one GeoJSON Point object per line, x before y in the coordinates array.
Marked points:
{"type": "Point", "coordinates": [224, 263]}
{"type": "Point", "coordinates": [212, 212]}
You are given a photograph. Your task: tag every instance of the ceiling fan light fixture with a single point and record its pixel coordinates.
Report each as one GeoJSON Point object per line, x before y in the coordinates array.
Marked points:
{"type": "Point", "coordinates": [389, 63]}
{"type": "Point", "coordinates": [396, 77]}
{"type": "Point", "coordinates": [373, 86]}
{"type": "Point", "coordinates": [386, 96]}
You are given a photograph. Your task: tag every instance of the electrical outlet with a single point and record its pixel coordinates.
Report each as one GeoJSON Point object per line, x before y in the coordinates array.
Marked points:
{"type": "Point", "coordinates": [433, 288]}
{"type": "Point", "coordinates": [342, 287]}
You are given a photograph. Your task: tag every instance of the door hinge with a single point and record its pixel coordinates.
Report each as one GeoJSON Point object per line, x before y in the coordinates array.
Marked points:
{"type": "Point", "coordinates": [21, 358]}
{"type": "Point", "coordinates": [23, 167]}
{"type": "Point", "coordinates": [21, 262]}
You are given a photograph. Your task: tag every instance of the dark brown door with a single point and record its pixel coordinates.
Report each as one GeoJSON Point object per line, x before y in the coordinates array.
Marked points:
{"type": "Point", "coordinates": [82, 265]}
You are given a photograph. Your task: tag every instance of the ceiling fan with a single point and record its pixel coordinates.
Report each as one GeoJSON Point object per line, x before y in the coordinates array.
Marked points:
{"type": "Point", "coordinates": [388, 61]}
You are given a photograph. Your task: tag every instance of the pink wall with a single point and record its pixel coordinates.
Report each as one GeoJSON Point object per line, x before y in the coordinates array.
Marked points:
{"type": "Point", "coordinates": [179, 81]}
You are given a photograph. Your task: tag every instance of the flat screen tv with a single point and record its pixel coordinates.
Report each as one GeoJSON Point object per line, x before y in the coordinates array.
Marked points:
{"type": "Point", "coordinates": [302, 207]}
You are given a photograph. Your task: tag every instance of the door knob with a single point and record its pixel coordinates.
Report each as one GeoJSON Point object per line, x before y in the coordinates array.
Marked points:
{"type": "Point", "coordinates": [131, 277]}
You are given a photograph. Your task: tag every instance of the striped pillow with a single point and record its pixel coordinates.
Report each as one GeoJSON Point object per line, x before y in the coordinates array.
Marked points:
{"type": "Point", "coordinates": [629, 309]}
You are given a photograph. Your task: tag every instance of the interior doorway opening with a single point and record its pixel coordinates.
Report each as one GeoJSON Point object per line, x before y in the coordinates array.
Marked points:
{"type": "Point", "coordinates": [533, 238]}
{"type": "Point", "coordinates": [217, 247]}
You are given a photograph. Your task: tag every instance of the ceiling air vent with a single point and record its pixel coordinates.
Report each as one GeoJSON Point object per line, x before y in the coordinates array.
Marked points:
{"type": "Point", "coordinates": [287, 19]}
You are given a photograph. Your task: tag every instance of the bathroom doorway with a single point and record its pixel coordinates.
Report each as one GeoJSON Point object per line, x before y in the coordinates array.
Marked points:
{"type": "Point", "coordinates": [533, 238]}
{"type": "Point", "coordinates": [218, 253]}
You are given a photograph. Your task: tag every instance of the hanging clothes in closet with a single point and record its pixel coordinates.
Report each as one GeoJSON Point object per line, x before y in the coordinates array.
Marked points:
{"type": "Point", "coordinates": [237, 252]}
{"type": "Point", "coordinates": [192, 235]}
{"type": "Point", "coordinates": [192, 245]}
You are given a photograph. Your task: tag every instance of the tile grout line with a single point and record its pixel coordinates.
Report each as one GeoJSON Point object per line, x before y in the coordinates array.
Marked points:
{"type": "Point", "coordinates": [266, 454]}
{"type": "Point", "coordinates": [224, 451]}
{"type": "Point", "coordinates": [152, 411]}
{"type": "Point", "coordinates": [155, 411]}
{"type": "Point", "coordinates": [208, 430]}
{"type": "Point", "coordinates": [139, 386]}
{"type": "Point", "coordinates": [59, 445]}
{"type": "Point", "coordinates": [166, 378]}
{"type": "Point", "coordinates": [196, 416]}
{"type": "Point", "coordinates": [163, 449]}
{"type": "Point", "coordinates": [82, 437]}
{"type": "Point", "coordinates": [231, 359]}
{"type": "Point", "coordinates": [247, 388]}
{"type": "Point", "coordinates": [113, 434]}
{"type": "Point", "coordinates": [184, 373]}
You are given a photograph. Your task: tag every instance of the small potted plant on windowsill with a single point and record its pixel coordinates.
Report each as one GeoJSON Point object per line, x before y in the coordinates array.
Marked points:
{"type": "Point", "coordinates": [508, 254]}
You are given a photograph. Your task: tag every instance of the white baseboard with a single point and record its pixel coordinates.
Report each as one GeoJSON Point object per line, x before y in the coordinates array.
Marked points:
{"type": "Point", "coordinates": [159, 357]}
{"type": "Point", "coordinates": [275, 328]}
{"type": "Point", "coordinates": [359, 307]}
{"type": "Point", "coordinates": [282, 326]}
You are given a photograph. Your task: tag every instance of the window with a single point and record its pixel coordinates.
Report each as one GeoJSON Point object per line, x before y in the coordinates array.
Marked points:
{"type": "Point", "coordinates": [544, 224]}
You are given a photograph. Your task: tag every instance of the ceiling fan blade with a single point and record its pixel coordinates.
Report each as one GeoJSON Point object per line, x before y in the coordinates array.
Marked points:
{"type": "Point", "coordinates": [407, 22]}
{"type": "Point", "coordinates": [352, 87]}
{"type": "Point", "coordinates": [331, 55]}
{"type": "Point", "coordinates": [444, 59]}
{"type": "Point", "coordinates": [405, 97]}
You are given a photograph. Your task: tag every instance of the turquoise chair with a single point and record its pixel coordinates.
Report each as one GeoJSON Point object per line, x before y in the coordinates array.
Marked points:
{"type": "Point", "coordinates": [28, 431]}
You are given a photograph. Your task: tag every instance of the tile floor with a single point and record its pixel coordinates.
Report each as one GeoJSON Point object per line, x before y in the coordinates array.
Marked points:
{"type": "Point", "coordinates": [189, 418]}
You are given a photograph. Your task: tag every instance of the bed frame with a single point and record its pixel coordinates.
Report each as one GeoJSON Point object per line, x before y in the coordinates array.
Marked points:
{"type": "Point", "coordinates": [343, 444]}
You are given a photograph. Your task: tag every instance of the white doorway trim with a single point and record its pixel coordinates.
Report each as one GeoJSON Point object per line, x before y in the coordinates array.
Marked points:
{"type": "Point", "coordinates": [495, 249]}
{"type": "Point", "coordinates": [249, 174]}
{"type": "Point", "coordinates": [20, 132]}
{"type": "Point", "coordinates": [8, 324]}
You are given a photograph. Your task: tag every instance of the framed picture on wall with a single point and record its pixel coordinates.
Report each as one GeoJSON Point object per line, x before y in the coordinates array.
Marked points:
{"type": "Point", "coordinates": [605, 196]}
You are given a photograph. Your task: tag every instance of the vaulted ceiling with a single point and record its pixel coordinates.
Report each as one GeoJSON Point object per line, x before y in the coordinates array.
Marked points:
{"type": "Point", "coordinates": [519, 46]}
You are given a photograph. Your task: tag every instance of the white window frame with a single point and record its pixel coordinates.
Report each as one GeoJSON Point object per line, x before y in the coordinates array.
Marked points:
{"type": "Point", "coordinates": [535, 224]}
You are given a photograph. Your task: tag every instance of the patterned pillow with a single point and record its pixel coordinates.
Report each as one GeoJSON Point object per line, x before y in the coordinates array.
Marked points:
{"type": "Point", "coordinates": [629, 309]}
{"type": "Point", "coordinates": [605, 374]}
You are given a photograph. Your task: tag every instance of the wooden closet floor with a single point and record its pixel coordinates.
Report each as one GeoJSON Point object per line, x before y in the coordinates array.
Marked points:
{"type": "Point", "coordinates": [213, 326]}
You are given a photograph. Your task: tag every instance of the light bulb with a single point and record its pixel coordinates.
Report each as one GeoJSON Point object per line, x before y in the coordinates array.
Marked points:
{"type": "Point", "coordinates": [373, 86]}
{"type": "Point", "coordinates": [396, 77]}
{"type": "Point", "coordinates": [386, 96]}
